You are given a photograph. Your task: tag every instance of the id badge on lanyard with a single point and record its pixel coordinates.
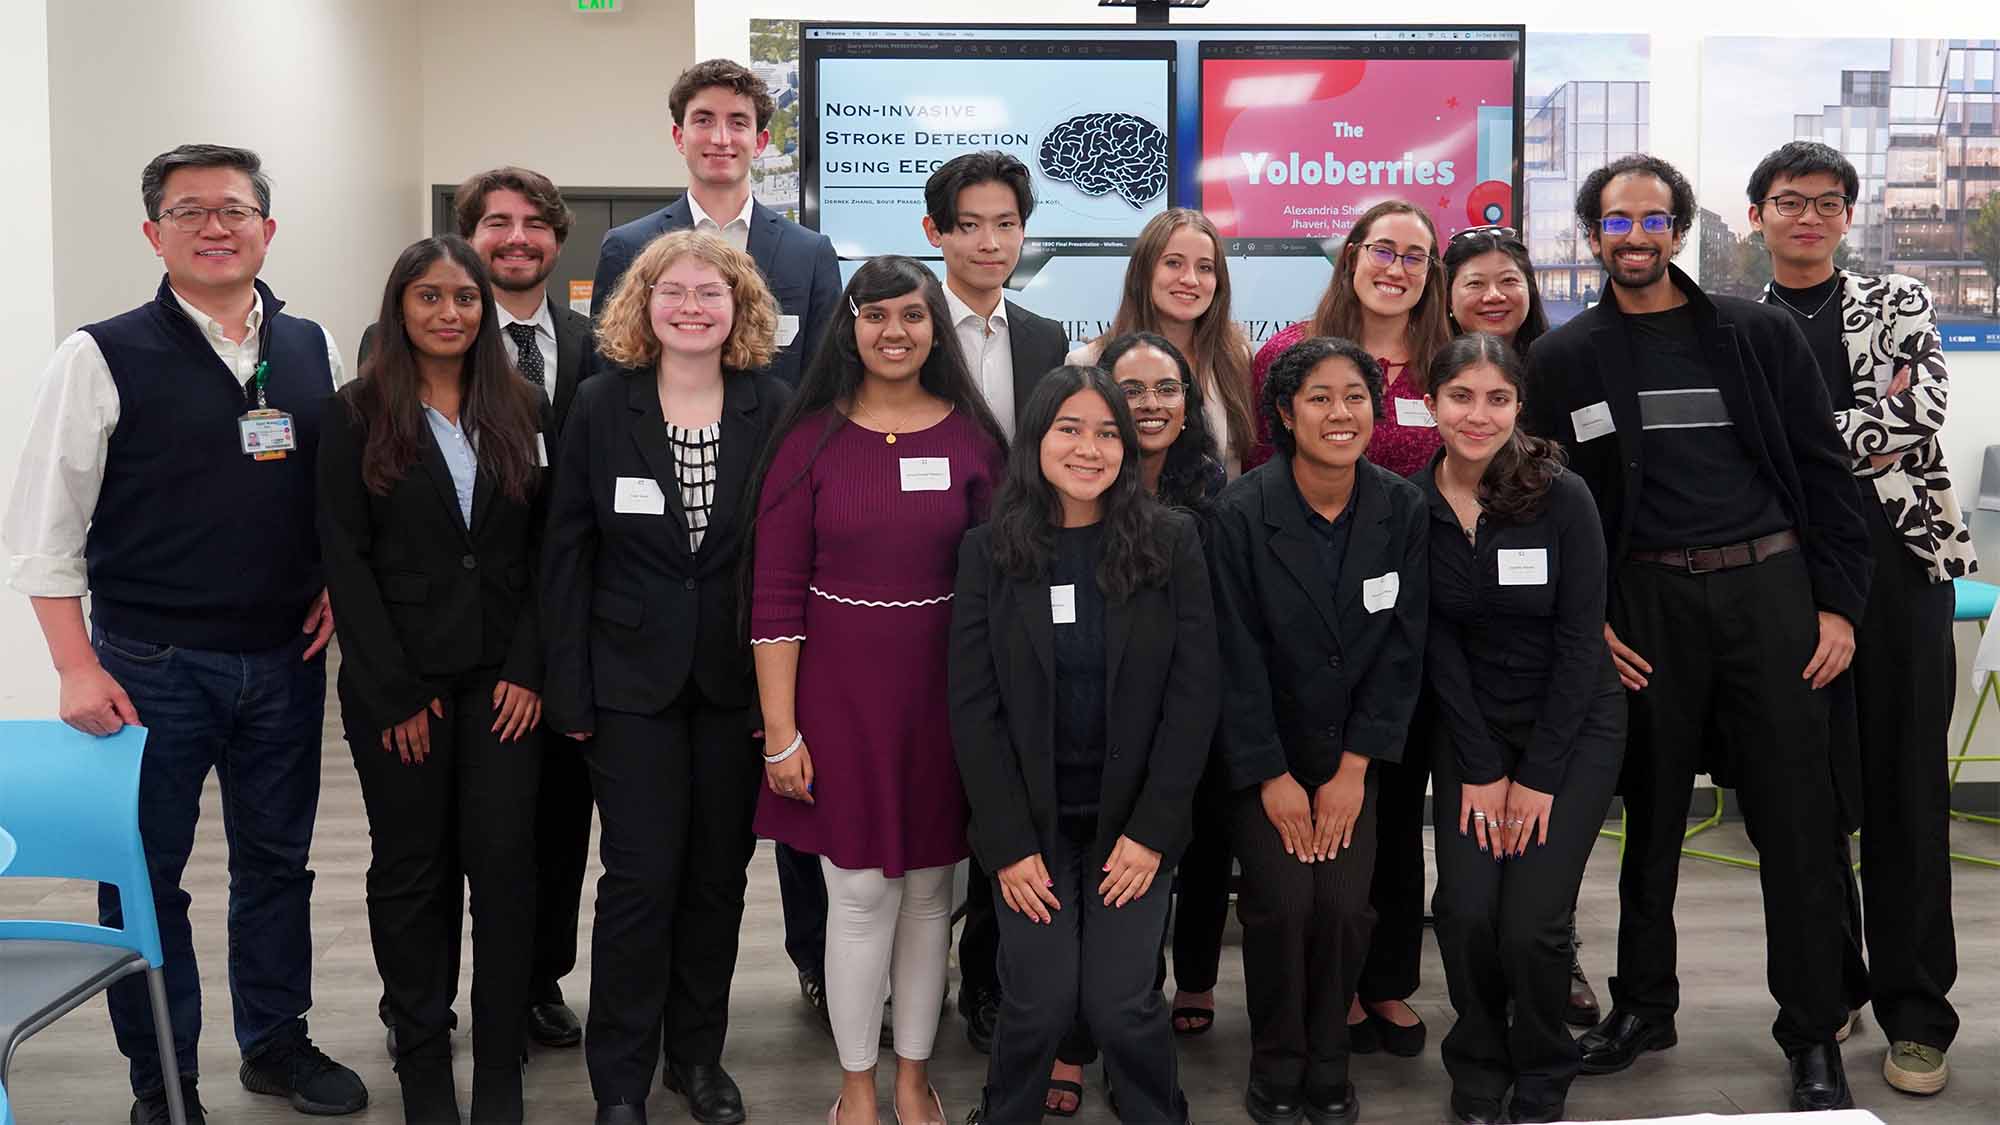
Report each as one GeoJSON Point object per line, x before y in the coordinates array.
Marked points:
{"type": "Point", "coordinates": [265, 434]}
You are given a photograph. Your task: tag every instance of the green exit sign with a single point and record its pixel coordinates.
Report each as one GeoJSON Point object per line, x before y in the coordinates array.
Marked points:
{"type": "Point", "coordinates": [600, 5]}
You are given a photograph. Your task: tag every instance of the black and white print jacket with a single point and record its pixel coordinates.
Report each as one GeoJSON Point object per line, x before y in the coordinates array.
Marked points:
{"type": "Point", "coordinates": [1887, 326]}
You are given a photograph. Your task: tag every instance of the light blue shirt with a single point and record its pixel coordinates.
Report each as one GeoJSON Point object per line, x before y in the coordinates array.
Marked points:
{"type": "Point", "coordinates": [459, 456]}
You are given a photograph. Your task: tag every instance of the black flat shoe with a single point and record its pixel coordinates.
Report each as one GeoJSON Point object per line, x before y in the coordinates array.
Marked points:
{"type": "Point", "coordinates": [1819, 1081]}
{"type": "Point", "coordinates": [1340, 1106]}
{"type": "Point", "coordinates": [1362, 1038]}
{"type": "Point", "coordinates": [812, 989]}
{"type": "Point", "coordinates": [1521, 1113]}
{"type": "Point", "coordinates": [552, 1024]}
{"type": "Point", "coordinates": [152, 1109]}
{"type": "Point", "coordinates": [1474, 1111]}
{"type": "Point", "coordinates": [981, 1010]}
{"type": "Point", "coordinates": [1402, 1042]}
{"type": "Point", "coordinates": [712, 1096]}
{"type": "Point", "coordinates": [620, 1113]}
{"type": "Point", "coordinates": [1612, 1046]}
{"type": "Point", "coordinates": [1269, 1105]}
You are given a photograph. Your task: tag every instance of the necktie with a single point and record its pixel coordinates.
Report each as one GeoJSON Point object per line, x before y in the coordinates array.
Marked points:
{"type": "Point", "coordinates": [528, 353]}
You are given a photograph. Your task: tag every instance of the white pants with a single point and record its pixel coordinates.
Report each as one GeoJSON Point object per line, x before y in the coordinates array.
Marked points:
{"type": "Point", "coordinates": [885, 936]}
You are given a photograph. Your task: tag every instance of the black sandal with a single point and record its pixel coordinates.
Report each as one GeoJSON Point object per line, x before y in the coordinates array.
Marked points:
{"type": "Point", "coordinates": [1063, 1086]}
{"type": "Point", "coordinates": [1205, 1015]}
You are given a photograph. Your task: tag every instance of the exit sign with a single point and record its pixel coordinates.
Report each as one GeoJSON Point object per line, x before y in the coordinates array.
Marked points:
{"type": "Point", "coordinates": [600, 5]}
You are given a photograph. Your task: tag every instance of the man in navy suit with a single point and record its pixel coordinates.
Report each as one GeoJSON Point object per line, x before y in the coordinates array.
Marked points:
{"type": "Point", "coordinates": [722, 116]}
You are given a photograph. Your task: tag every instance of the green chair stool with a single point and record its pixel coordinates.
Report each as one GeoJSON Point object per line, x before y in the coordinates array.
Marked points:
{"type": "Point", "coordinates": [1974, 601]}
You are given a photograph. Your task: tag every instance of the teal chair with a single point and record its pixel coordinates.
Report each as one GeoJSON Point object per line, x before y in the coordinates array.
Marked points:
{"type": "Point", "coordinates": [1974, 602]}
{"type": "Point", "coordinates": [70, 806]}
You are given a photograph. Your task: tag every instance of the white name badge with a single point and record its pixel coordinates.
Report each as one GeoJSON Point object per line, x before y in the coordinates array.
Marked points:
{"type": "Point", "coordinates": [1593, 421]}
{"type": "Point", "coordinates": [1378, 594]}
{"type": "Point", "coordinates": [638, 496]}
{"type": "Point", "coordinates": [925, 474]}
{"type": "Point", "coordinates": [1528, 567]}
{"type": "Point", "coordinates": [1411, 412]}
{"type": "Point", "coordinates": [788, 330]}
{"type": "Point", "coordinates": [266, 435]}
{"type": "Point", "coordinates": [541, 451]}
{"type": "Point", "coordinates": [1062, 604]}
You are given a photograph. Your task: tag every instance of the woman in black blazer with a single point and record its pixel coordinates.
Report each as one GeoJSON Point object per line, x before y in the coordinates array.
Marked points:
{"type": "Point", "coordinates": [1083, 699]}
{"type": "Point", "coordinates": [430, 516]}
{"type": "Point", "coordinates": [1532, 729]}
{"type": "Point", "coordinates": [1320, 575]}
{"type": "Point", "coordinates": [649, 667]}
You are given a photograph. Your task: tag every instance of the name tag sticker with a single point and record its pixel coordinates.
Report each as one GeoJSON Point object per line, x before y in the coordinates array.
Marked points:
{"type": "Point", "coordinates": [925, 474]}
{"type": "Point", "coordinates": [1529, 567]}
{"type": "Point", "coordinates": [1593, 421]}
{"type": "Point", "coordinates": [1062, 604]}
{"type": "Point", "coordinates": [638, 496]}
{"type": "Point", "coordinates": [1378, 594]}
{"type": "Point", "coordinates": [788, 330]}
{"type": "Point", "coordinates": [266, 435]}
{"type": "Point", "coordinates": [541, 451]}
{"type": "Point", "coordinates": [1411, 412]}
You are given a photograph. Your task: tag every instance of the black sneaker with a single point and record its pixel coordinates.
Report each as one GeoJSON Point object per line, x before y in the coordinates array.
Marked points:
{"type": "Point", "coordinates": [291, 1067]}
{"type": "Point", "coordinates": [152, 1109]}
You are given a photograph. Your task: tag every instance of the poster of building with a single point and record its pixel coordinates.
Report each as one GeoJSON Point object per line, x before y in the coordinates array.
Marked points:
{"type": "Point", "coordinates": [1916, 118]}
{"type": "Point", "coordinates": [774, 55]}
{"type": "Point", "coordinates": [1589, 102]}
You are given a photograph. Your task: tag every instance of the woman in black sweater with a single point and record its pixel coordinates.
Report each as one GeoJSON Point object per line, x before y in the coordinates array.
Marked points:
{"type": "Point", "coordinates": [1532, 731]}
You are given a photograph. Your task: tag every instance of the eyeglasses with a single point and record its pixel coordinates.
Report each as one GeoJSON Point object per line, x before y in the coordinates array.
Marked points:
{"type": "Point", "coordinates": [1385, 255]}
{"type": "Point", "coordinates": [1166, 392]}
{"type": "Point", "coordinates": [1659, 222]}
{"type": "Point", "coordinates": [1498, 233]}
{"type": "Point", "coordinates": [1791, 206]}
{"type": "Point", "coordinates": [674, 296]}
{"type": "Point", "coordinates": [191, 219]}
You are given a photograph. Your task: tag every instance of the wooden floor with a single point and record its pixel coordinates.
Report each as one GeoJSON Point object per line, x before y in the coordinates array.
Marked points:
{"type": "Point", "coordinates": [1726, 1061]}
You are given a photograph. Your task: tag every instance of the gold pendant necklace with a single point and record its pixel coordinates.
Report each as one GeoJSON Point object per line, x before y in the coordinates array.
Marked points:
{"type": "Point", "coordinates": [888, 437]}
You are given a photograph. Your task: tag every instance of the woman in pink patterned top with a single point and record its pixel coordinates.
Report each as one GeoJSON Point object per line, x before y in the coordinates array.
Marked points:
{"type": "Point", "coordinates": [1388, 295]}
{"type": "Point", "coordinates": [886, 457]}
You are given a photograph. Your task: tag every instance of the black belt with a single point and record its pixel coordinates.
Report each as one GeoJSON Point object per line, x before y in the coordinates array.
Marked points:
{"type": "Point", "coordinates": [1701, 560]}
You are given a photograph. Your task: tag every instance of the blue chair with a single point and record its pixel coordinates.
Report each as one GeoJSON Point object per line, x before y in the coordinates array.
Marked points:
{"type": "Point", "coordinates": [70, 802]}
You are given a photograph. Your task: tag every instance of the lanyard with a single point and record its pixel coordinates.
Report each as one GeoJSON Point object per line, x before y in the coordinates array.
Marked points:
{"type": "Point", "coordinates": [260, 376]}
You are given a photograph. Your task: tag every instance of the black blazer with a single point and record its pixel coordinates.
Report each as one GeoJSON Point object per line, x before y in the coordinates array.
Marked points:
{"type": "Point", "coordinates": [417, 595]}
{"type": "Point", "coordinates": [1307, 671]}
{"type": "Point", "coordinates": [576, 355]}
{"type": "Point", "coordinates": [1037, 346]}
{"type": "Point", "coordinates": [1776, 400]}
{"type": "Point", "coordinates": [629, 613]}
{"type": "Point", "coordinates": [798, 264]}
{"type": "Point", "coordinates": [1161, 703]}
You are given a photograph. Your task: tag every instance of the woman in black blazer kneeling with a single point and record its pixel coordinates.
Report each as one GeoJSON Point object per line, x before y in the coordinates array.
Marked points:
{"type": "Point", "coordinates": [1320, 577]}
{"type": "Point", "coordinates": [1083, 699]}
{"type": "Point", "coordinates": [430, 516]}
{"type": "Point", "coordinates": [649, 664]}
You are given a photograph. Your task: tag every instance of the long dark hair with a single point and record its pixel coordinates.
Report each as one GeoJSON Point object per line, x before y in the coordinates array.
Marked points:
{"type": "Point", "coordinates": [499, 406]}
{"type": "Point", "coordinates": [1339, 311]}
{"type": "Point", "coordinates": [1469, 244]}
{"type": "Point", "coordinates": [1188, 477]}
{"type": "Point", "coordinates": [1517, 480]}
{"type": "Point", "coordinates": [1027, 509]}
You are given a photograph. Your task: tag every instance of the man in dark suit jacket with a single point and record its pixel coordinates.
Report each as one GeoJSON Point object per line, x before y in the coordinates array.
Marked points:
{"type": "Point", "coordinates": [1739, 565]}
{"type": "Point", "coordinates": [722, 113]}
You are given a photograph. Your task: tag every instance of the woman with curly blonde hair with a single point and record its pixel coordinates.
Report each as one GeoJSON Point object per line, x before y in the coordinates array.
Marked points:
{"type": "Point", "coordinates": [649, 670]}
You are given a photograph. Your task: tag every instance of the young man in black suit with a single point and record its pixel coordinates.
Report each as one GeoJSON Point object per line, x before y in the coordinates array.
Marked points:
{"type": "Point", "coordinates": [978, 206]}
{"type": "Point", "coordinates": [1739, 565]}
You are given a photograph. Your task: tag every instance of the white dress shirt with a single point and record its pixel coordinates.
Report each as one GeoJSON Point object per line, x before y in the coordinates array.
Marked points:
{"type": "Point", "coordinates": [545, 340]}
{"type": "Point", "coordinates": [735, 231]}
{"type": "Point", "coordinates": [69, 439]}
{"type": "Point", "coordinates": [989, 353]}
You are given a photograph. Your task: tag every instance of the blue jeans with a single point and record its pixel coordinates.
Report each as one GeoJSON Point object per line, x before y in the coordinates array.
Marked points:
{"type": "Point", "coordinates": [255, 718]}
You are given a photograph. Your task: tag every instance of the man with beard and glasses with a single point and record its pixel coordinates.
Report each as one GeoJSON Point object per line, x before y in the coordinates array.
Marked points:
{"type": "Point", "coordinates": [516, 219]}
{"type": "Point", "coordinates": [1739, 565]}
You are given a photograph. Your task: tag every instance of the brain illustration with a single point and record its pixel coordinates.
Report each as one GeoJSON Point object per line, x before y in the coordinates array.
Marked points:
{"type": "Point", "coordinates": [1107, 152]}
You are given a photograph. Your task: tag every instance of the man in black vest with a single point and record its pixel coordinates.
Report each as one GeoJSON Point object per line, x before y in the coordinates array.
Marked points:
{"type": "Point", "coordinates": [168, 474]}
{"type": "Point", "coordinates": [1739, 565]}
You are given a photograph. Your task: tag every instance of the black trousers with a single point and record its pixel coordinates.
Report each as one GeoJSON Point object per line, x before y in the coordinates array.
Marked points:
{"type": "Point", "coordinates": [1905, 676]}
{"type": "Point", "coordinates": [1503, 927]}
{"type": "Point", "coordinates": [1305, 934]}
{"type": "Point", "coordinates": [466, 812]}
{"type": "Point", "coordinates": [1395, 954]}
{"type": "Point", "coordinates": [802, 895]}
{"type": "Point", "coordinates": [1093, 964]}
{"type": "Point", "coordinates": [675, 794]}
{"type": "Point", "coordinates": [562, 852]}
{"type": "Point", "coordinates": [1727, 649]}
{"type": "Point", "coordinates": [979, 939]}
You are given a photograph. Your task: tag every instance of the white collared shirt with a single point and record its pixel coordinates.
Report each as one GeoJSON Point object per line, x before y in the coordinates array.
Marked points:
{"type": "Point", "coordinates": [989, 353]}
{"type": "Point", "coordinates": [545, 340]}
{"type": "Point", "coordinates": [69, 439]}
{"type": "Point", "coordinates": [735, 231]}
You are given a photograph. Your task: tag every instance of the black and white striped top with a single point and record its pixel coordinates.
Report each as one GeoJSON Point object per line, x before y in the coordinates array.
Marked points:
{"type": "Point", "coordinates": [695, 453]}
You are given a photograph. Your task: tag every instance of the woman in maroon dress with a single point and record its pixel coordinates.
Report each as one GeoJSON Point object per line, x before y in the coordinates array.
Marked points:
{"type": "Point", "coordinates": [884, 460]}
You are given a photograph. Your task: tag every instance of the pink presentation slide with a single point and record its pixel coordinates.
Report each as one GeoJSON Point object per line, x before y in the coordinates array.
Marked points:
{"type": "Point", "coordinates": [1298, 148]}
